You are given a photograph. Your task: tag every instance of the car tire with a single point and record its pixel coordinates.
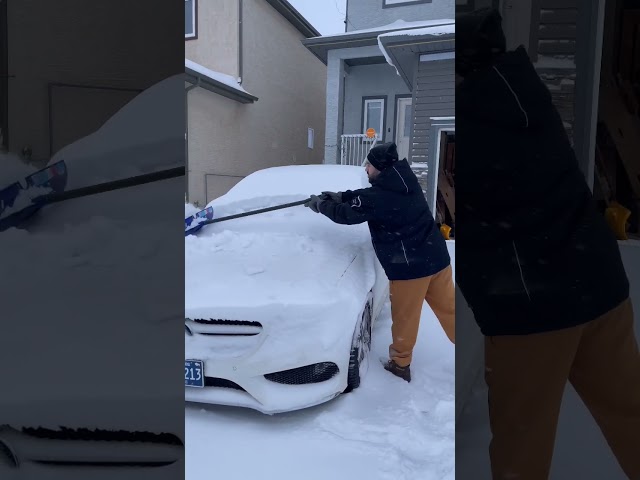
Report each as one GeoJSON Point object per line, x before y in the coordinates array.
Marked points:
{"type": "Point", "coordinates": [360, 345]}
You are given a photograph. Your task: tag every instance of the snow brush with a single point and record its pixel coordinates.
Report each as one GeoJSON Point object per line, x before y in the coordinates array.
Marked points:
{"type": "Point", "coordinates": [205, 217]}
{"type": "Point", "coordinates": [54, 177]}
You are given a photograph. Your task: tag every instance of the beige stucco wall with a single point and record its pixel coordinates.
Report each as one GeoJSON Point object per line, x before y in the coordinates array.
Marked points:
{"type": "Point", "coordinates": [212, 138]}
{"type": "Point", "coordinates": [62, 42]}
{"type": "Point", "coordinates": [229, 140]}
{"type": "Point", "coordinates": [217, 44]}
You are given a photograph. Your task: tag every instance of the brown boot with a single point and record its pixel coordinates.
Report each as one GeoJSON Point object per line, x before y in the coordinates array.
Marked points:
{"type": "Point", "coordinates": [402, 372]}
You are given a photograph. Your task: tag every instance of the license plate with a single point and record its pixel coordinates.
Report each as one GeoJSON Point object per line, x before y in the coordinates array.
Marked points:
{"type": "Point", "coordinates": [193, 373]}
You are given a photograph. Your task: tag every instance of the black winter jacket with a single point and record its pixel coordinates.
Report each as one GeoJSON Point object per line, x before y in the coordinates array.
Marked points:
{"type": "Point", "coordinates": [404, 234]}
{"type": "Point", "coordinates": [533, 254]}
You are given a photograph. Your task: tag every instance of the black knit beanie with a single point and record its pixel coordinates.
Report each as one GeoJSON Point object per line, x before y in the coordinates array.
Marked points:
{"type": "Point", "coordinates": [383, 156]}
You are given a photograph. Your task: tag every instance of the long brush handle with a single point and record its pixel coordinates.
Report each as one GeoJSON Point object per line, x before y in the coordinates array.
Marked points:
{"type": "Point", "coordinates": [256, 212]}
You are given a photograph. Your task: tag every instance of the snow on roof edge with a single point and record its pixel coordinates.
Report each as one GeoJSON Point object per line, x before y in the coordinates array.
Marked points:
{"type": "Point", "coordinates": [223, 78]}
{"type": "Point", "coordinates": [443, 29]}
{"type": "Point", "coordinates": [397, 25]}
{"type": "Point", "coordinates": [439, 29]}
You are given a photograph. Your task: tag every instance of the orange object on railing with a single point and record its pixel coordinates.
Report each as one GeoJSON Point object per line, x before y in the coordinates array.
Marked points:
{"type": "Point", "coordinates": [445, 230]}
{"type": "Point", "coordinates": [617, 216]}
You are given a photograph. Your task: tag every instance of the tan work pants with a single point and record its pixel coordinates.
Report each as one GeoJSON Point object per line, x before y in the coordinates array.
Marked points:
{"type": "Point", "coordinates": [527, 375]}
{"type": "Point", "coordinates": [407, 298]}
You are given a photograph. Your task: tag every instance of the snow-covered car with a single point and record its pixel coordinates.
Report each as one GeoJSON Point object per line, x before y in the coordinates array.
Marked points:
{"type": "Point", "coordinates": [74, 328]}
{"type": "Point", "coordinates": [279, 306]}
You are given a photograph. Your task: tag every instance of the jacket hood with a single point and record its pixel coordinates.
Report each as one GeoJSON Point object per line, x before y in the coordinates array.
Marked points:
{"type": "Point", "coordinates": [398, 178]}
{"type": "Point", "coordinates": [510, 94]}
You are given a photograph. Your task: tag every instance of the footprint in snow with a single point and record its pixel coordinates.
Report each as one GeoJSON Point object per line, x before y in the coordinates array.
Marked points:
{"type": "Point", "coordinates": [254, 270]}
{"type": "Point", "coordinates": [306, 247]}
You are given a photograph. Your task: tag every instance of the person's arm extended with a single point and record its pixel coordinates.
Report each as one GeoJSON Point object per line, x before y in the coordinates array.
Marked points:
{"type": "Point", "coordinates": [349, 195]}
{"type": "Point", "coordinates": [356, 210]}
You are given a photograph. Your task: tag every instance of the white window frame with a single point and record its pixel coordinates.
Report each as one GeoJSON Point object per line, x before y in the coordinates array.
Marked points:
{"type": "Point", "coordinates": [439, 131]}
{"type": "Point", "coordinates": [367, 101]}
{"type": "Point", "coordinates": [310, 138]}
{"type": "Point", "coordinates": [194, 24]}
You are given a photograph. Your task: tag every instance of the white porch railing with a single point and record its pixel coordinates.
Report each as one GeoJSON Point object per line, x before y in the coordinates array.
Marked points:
{"type": "Point", "coordinates": [354, 149]}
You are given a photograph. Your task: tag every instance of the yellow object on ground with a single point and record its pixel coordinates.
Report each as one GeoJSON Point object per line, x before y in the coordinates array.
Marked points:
{"type": "Point", "coordinates": [617, 217]}
{"type": "Point", "coordinates": [445, 230]}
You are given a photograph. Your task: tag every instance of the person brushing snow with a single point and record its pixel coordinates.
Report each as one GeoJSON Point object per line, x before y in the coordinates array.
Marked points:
{"type": "Point", "coordinates": [536, 262]}
{"type": "Point", "coordinates": [408, 244]}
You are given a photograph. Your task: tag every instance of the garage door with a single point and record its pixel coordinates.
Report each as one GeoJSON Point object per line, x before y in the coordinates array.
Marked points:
{"type": "Point", "coordinates": [78, 111]}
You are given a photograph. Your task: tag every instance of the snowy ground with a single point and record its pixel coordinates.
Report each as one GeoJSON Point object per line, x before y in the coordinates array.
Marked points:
{"type": "Point", "coordinates": [385, 430]}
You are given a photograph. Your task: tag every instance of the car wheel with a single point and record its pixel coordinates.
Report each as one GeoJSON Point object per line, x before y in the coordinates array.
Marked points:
{"type": "Point", "coordinates": [360, 347]}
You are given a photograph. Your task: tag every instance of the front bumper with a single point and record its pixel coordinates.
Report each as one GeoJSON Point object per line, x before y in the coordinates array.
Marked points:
{"type": "Point", "coordinates": [275, 398]}
{"type": "Point", "coordinates": [241, 381]}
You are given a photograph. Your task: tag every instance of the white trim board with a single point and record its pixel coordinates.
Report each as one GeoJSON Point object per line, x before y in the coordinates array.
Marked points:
{"type": "Point", "coordinates": [595, 95]}
{"type": "Point", "coordinates": [447, 128]}
{"type": "Point", "coordinates": [431, 57]}
{"type": "Point", "coordinates": [194, 20]}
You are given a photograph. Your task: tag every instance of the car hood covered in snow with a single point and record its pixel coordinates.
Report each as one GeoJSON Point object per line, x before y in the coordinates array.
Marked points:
{"type": "Point", "coordinates": [257, 267]}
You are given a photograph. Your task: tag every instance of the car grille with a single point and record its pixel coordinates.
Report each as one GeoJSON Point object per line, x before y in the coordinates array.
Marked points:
{"type": "Point", "coordinates": [316, 373]}
{"type": "Point", "coordinates": [221, 383]}
{"type": "Point", "coordinates": [102, 435]}
{"type": "Point", "coordinates": [84, 447]}
{"type": "Point", "coordinates": [220, 327]}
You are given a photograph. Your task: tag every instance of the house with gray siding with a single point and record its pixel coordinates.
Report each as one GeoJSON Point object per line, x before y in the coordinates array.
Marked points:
{"type": "Point", "coordinates": [392, 73]}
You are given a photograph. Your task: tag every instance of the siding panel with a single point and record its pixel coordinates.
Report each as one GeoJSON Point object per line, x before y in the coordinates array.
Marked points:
{"type": "Point", "coordinates": [434, 96]}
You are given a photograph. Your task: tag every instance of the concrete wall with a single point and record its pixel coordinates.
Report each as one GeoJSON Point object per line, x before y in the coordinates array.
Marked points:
{"type": "Point", "coordinates": [228, 140]}
{"type": "Point", "coordinates": [371, 81]}
{"type": "Point", "coordinates": [62, 42]}
{"type": "Point", "coordinates": [217, 45]}
{"type": "Point", "coordinates": [363, 14]}
{"type": "Point", "coordinates": [335, 96]}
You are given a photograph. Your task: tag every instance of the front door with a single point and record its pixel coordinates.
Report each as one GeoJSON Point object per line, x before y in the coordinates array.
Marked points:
{"type": "Point", "coordinates": [403, 127]}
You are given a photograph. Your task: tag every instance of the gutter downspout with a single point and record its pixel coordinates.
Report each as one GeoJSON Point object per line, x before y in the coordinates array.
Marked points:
{"type": "Point", "coordinates": [346, 17]}
{"type": "Point", "coordinates": [186, 132]}
{"type": "Point", "coordinates": [240, 19]}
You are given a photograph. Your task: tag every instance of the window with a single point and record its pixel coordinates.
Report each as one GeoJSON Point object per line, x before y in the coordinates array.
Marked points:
{"type": "Point", "coordinates": [407, 121]}
{"type": "Point", "coordinates": [401, 3]}
{"type": "Point", "coordinates": [310, 138]}
{"type": "Point", "coordinates": [373, 115]}
{"type": "Point", "coordinates": [190, 19]}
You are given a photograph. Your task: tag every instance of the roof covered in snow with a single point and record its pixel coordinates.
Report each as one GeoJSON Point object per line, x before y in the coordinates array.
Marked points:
{"type": "Point", "coordinates": [320, 46]}
{"type": "Point", "coordinates": [216, 82]}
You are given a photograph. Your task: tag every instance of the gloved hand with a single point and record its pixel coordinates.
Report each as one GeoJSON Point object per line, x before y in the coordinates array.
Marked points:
{"type": "Point", "coordinates": [313, 203]}
{"type": "Point", "coordinates": [336, 197]}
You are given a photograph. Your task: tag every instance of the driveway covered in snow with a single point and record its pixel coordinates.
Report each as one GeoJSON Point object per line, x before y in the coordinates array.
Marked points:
{"type": "Point", "coordinates": [385, 430]}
